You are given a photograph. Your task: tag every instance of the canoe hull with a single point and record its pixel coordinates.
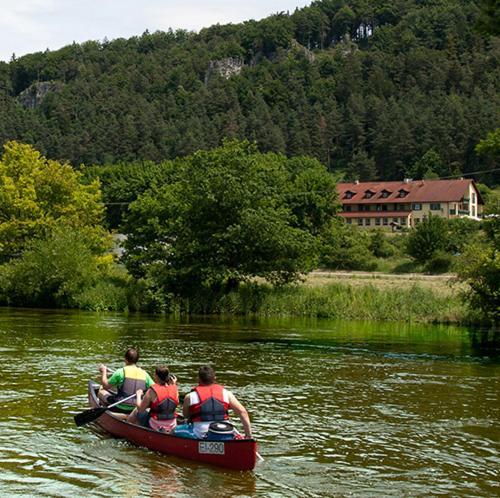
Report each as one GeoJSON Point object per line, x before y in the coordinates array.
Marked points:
{"type": "Point", "coordinates": [234, 454]}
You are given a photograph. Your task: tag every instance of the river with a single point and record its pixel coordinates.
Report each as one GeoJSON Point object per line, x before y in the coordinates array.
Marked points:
{"type": "Point", "coordinates": [339, 408]}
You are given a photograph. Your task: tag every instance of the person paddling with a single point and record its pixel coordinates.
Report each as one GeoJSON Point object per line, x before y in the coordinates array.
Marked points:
{"type": "Point", "coordinates": [209, 402]}
{"type": "Point", "coordinates": [127, 380]}
{"type": "Point", "coordinates": [162, 399]}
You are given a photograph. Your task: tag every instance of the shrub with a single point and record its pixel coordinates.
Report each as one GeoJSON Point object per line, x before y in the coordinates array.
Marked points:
{"type": "Point", "coordinates": [440, 262]}
{"type": "Point", "coordinates": [427, 238]}
{"type": "Point", "coordinates": [60, 270]}
{"type": "Point", "coordinates": [345, 247]}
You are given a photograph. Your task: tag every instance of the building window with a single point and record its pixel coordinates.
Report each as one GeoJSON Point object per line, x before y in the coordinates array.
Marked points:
{"type": "Point", "coordinates": [368, 222]}
{"type": "Point", "coordinates": [417, 221]}
{"type": "Point", "coordinates": [379, 207]}
{"type": "Point", "coordinates": [348, 221]}
{"type": "Point", "coordinates": [369, 194]}
{"type": "Point", "coordinates": [377, 221]}
{"type": "Point", "coordinates": [403, 193]}
{"type": "Point", "coordinates": [416, 207]}
{"type": "Point", "coordinates": [386, 221]}
{"type": "Point", "coordinates": [360, 221]}
{"type": "Point", "coordinates": [435, 206]}
{"type": "Point", "coordinates": [403, 221]}
{"type": "Point", "coordinates": [349, 195]}
{"type": "Point", "coordinates": [473, 197]}
{"type": "Point", "coordinates": [385, 194]}
{"type": "Point", "coordinates": [347, 209]}
{"type": "Point", "coordinates": [473, 210]}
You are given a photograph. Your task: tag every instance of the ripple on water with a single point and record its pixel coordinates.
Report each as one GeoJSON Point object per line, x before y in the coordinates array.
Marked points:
{"type": "Point", "coordinates": [336, 412]}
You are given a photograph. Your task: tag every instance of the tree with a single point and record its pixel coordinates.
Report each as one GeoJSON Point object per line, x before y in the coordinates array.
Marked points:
{"type": "Point", "coordinates": [427, 239]}
{"type": "Point", "coordinates": [345, 247]}
{"type": "Point", "coordinates": [229, 215]}
{"type": "Point", "coordinates": [59, 270]}
{"type": "Point", "coordinates": [480, 268]}
{"type": "Point", "coordinates": [489, 18]}
{"type": "Point", "coordinates": [37, 194]}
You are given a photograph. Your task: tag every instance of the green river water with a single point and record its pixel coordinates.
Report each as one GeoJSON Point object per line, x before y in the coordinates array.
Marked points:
{"type": "Point", "coordinates": [339, 408]}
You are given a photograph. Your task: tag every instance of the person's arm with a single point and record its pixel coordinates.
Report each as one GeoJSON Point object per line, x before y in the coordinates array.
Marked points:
{"type": "Point", "coordinates": [104, 376]}
{"type": "Point", "coordinates": [185, 407]}
{"type": "Point", "coordinates": [144, 403]}
{"type": "Point", "coordinates": [243, 414]}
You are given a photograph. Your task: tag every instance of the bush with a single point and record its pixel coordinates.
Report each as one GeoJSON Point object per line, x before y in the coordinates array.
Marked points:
{"type": "Point", "coordinates": [379, 245]}
{"type": "Point", "coordinates": [62, 270]}
{"type": "Point", "coordinates": [426, 239]}
{"type": "Point", "coordinates": [441, 262]}
{"type": "Point", "coordinates": [345, 247]}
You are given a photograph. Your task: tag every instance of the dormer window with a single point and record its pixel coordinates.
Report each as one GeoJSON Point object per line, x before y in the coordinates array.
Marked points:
{"type": "Point", "coordinates": [385, 193]}
{"type": "Point", "coordinates": [369, 194]}
{"type": "Point", "coordinates": [349, 195]}
{"type": "Point", "coordinates": [403, 193]}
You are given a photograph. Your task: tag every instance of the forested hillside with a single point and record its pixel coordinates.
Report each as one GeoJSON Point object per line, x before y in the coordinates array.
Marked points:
{"type": "Point", "coordinates": [377, 88]}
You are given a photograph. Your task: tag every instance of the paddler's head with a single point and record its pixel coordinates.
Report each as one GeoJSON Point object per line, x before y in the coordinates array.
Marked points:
{"type": "Point", "coordinates": [162, 374]}
{"type": "Point", "coordinates": [131, 356]}
{"type": "Point", "coordinates": [206, 375]}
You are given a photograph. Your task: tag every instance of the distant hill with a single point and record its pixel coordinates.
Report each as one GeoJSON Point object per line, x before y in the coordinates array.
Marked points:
{"type": "Point", "coordinates": [366, 86]}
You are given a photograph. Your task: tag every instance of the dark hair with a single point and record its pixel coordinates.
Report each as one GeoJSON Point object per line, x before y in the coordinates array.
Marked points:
{"type": "Point", "coordinates": [132, 356]}
{"type": "Point", "coordinates": [162, 372]}
{"type": "Point", "coordinates": [206, 374]}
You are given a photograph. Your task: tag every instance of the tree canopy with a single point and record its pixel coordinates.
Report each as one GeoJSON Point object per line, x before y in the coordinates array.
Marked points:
{"type": "Point", "coordinates": [37, 194]}
{"type": "Point", "coordinates": [228, 215]}
{"type": "Point", "coordinates": [367, 87]}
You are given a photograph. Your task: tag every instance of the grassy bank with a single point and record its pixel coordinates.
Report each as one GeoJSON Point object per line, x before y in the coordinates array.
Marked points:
{"type": "Point", "coordinates": [340, 301]}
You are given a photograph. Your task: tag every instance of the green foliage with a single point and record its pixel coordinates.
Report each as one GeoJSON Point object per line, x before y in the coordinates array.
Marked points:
{"type": "Point", "coordinates": [490, 145]}
{"type": "Point", "coordinates": [427, 238]}
{"type": "Point", "coordinates": [430, 165]}
{"type": "Point", "coordinates": [62, 269]}
{"type": "Point", "coordinates": [489, 19]}
{"type": "Point", "coordinates": [491, 198]}
{"type": "Point", "coordinates": [380, 246]}
{"type": "Point", "coordinates": [37, 194]}
{"type": "Point", "coordinates": [228, 215]}
{"type": "Point", "coordinates": [480, 268]}
{"type": "Point", "coordinates": [414, 76]}
{"type": "Point", "coordinates": [440, 262]}
{"type": "Point", "coordinates": [122, 183]}
{"type": "Point", "coordinates": [344, 247]}
{"type": "Point", "coordinates": [338, 301]}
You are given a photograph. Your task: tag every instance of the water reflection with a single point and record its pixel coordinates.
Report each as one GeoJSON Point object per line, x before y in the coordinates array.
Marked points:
{"type": "Point", "coordinates": [339, 408]}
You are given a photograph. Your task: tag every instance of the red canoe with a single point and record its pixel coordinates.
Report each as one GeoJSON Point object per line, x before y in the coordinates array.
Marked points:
{"type": "Point", "coordinates": [238, 454]}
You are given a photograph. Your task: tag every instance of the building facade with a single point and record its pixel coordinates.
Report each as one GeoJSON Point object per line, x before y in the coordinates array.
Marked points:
{"type": "Point", "coordinates": [406, 203]}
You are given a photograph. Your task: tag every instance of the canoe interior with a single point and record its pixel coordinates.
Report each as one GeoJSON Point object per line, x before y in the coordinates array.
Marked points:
{"type": "Point", "coordinates": [238, 454]}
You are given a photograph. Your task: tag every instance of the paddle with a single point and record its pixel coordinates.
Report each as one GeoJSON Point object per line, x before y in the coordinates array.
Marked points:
{"type": "Point", "coordinates": [94, 413]}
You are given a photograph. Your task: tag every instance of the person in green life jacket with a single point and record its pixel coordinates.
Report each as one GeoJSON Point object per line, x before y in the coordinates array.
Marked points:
{"type": "Point", "coordinates": [126, 380]}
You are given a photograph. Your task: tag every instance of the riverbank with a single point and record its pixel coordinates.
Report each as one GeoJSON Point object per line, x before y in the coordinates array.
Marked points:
{"type": "Point", "coordinates": [348, 298]}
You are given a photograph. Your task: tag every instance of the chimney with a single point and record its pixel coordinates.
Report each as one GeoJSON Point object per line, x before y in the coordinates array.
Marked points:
{"type": "Point", "coordinates": [408, 180]}
{"type": "Point", "coordinates": [356, 182]}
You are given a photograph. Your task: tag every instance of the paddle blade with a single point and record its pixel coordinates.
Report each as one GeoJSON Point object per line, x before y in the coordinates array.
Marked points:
{"type": "Point", "coordinates": [88, 416]}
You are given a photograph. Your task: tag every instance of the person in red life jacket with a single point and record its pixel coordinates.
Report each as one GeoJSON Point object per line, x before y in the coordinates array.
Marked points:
{"type": "Point", "coordinates": [156, 409]}
{"type": "Point", "coordinates": [127, 380]}
{"type": "Point", "coordinates": [209, 402]}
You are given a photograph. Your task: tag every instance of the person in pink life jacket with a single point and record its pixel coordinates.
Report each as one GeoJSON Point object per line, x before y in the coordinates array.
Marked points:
{"type": "Point", "coordinates": [156, 410]}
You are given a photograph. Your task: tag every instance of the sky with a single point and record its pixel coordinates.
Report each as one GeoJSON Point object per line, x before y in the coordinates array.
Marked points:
{"type": "Point", "coordinates": [28, 26]}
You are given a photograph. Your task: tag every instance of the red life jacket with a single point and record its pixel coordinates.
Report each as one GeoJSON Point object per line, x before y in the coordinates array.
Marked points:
{"type": "Point", "coordinates": [211, 406]}
{"type": "Point", "coordinates": [167, 399]}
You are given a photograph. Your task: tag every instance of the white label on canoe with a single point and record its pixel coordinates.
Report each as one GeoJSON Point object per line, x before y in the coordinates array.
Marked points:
{"type": "Point", "coordinates": [210, 448]}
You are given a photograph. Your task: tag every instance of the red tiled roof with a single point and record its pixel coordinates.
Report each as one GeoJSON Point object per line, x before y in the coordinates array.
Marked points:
{"type": "Point", "coordinates": [418, 191]}
{"type": "Point", "coordinates": [376, 214]}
